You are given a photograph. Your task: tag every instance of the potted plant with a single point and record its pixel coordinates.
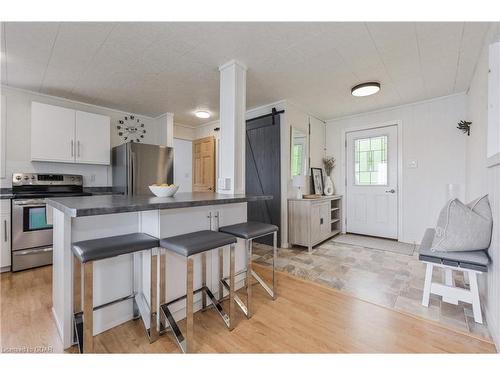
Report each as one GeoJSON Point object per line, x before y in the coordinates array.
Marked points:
{"type": "Point", "coordinates": [329, 164]}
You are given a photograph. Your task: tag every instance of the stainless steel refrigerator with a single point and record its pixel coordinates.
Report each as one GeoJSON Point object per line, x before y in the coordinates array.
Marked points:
{"type": "Point", "coordinates": [135, 166]}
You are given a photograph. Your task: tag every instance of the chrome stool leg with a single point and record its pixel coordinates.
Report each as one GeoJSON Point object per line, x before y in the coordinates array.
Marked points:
{"type": "Point", "coordinates": [88, 308]}
{"type": "Point", "coordinates": [77, 304]}
{"type": "Point", "coordinates": [153, 322]}
{"type": "Point", "coordinates": [231, 287]}
{"type": "Point", "coordinates": [249, 245]}
{"type": "Point", "coordinates": [275, 255]}
{"type": "Point", "coordinates": [249, 272]}
{"type": "Point", "coordinates": [221, 273]}
{"type": "Point", "coordinates": [204, 280]}
{"type": "Point", "coordinates": [189, 306]}
{"type": "Point", "coordinates": [186, 343]}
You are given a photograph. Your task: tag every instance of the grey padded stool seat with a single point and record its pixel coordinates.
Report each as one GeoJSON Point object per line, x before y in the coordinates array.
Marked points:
{"type": "Point", "coordinates": [88, 251]}
{"type": "Point", "coordinates": [471, 263]}
{"type": "Point", "coordinates": [249, 231]}
{"type": "Point", "coordinates": [188, 246]}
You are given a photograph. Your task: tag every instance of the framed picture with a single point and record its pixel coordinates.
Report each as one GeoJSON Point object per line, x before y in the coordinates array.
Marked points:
{"type": "Point", "coordinates": [317, 180]}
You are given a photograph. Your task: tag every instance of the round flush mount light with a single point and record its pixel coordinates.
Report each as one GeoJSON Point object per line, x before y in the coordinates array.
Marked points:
{"type": "Point", "coordinates": [202, 114]}
{"type": "Point", "coordinates": [365, 89]}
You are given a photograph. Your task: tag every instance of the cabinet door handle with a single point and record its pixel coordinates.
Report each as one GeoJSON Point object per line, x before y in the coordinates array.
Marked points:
{"type": "Point", "coordinates": [72, 148]}
{"type": "Point", "coordinates": [321, 221]}
{"type": "Point", "coordinates": [209, 217]}
{"type": "Point", "coordinates": [6, 238]}
{"type": "Point", "coordinates": [78, 148]}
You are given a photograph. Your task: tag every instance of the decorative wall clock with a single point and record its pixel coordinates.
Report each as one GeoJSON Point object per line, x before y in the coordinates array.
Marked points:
{"type": "Point", "coordinates": [131, 129]}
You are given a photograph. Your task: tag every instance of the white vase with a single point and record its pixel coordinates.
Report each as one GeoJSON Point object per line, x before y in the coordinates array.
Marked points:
{"type": "Point", "coordinates": [328, 187]}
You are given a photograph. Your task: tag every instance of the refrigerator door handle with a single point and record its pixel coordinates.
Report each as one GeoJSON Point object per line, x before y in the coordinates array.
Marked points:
{"type": "Point", "coordinates": [130, 172]}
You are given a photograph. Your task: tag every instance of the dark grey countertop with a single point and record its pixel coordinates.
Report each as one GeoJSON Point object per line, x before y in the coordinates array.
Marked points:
{"type": "Point", "coordinates": [112, 204]}
{"type": "Point", "coordinates": [6, 193]}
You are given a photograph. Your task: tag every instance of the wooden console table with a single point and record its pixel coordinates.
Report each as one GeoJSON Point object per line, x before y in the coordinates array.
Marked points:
{"type": "Point", "coordinates": [312, 221]}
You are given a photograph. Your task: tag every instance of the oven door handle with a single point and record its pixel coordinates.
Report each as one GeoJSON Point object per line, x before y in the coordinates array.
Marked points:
{"type": "Point", "coordinates": [33, 251]}
{"type": "Point", "coordinates": [29, 203]}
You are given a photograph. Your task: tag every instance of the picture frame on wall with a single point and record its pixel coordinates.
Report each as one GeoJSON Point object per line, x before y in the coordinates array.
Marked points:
{"type": "Point", "coordinates": [317, 180]}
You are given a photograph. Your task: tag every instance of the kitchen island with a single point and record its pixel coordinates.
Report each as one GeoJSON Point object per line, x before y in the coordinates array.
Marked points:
{"type": "Point", "coordinates": [81, 218]}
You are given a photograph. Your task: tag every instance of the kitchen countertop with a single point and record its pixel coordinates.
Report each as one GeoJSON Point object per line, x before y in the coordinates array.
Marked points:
{"type": "Point", "coordinates": [6, 193]}
{"type": "Point", "coordinates": [111, 204]}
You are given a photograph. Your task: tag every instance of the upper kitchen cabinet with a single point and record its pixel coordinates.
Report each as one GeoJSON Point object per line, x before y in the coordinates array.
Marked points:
{"type": "Point", "coordinates": [92, 134]}
{"type": "Point", "coordinates": [52, 133]}
{"type": "Point", "coordinates": [64, 135]}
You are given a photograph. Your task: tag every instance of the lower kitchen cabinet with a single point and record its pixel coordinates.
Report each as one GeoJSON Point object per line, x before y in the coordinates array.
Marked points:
{"type": "Point", "coordinates": [312, 221]}
{"type": "Point", "coordinates": [5, 235]}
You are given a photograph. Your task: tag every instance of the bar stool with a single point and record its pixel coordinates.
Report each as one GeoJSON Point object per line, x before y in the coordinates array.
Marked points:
{"type": "Point", "coordinates": [85, 254]}
{"type": "Point", "coordinates": [188, 246]}
{"type": "Point", "coordinates": [250, 231]}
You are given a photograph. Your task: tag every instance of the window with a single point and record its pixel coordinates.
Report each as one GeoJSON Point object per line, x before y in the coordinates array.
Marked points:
{"type": "Point", "coordinates": [370, 161]}
{"type": "Point", "coordinates": [297, 156]}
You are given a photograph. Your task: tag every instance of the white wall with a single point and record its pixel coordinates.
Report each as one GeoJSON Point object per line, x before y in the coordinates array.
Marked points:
{"type": "Point", "coordinates": [483, 176]}
{"type": "Point", "coordinates": [183, 164]}
{"type": "Point", "coordinates": [186, 132]}
{"type": "Point", "coordinates": [18, 137]}
{"type": "Point", "coordinates": [430, 137]}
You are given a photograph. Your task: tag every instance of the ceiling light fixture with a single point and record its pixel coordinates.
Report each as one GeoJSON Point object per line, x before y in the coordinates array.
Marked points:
{"type": "Point", "coordinates": [202, 114]}
{"type": "Point", "coordinates": [365, 89]}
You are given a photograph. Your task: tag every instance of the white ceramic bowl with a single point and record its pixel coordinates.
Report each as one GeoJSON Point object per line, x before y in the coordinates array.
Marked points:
{"type": "Point", "coordinates": [163, 191]}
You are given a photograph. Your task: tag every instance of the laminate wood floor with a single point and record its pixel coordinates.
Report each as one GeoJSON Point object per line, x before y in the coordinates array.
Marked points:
{"type": "Point", "coordinates": [306, 318]}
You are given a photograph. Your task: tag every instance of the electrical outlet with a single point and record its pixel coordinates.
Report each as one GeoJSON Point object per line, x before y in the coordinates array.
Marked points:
{"type": "Point", "coordinates": [92, 178]}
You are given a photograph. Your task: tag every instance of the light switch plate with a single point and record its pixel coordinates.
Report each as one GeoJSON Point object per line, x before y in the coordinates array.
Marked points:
{"type": "Point", "coordinates": [224, 183]}
{"type": "Point", "coordinates": [413, 164]}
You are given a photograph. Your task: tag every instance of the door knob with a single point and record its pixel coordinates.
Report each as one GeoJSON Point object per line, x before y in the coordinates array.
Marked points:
{"type": "Point", "coordinates": [392, 191]}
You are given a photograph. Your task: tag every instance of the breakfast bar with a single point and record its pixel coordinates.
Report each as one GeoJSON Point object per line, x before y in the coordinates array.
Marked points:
{"type": "Point", "coordinates": [83, 218]}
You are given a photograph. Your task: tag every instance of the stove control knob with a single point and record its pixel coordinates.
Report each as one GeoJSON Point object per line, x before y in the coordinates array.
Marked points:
{"type": "Point", "coordinates": [32, 177]}
{"type": "Point", "coordinates": [26, 177]}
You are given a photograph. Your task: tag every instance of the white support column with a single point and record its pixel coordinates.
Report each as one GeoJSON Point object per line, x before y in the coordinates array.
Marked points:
{"type": "Point", "coordinates": [166, 129]}
{"type": "Point", "coordinates": [232, 128]}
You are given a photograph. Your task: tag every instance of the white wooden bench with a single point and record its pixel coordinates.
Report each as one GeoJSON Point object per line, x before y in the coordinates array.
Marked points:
{"type": "Point", "coordinates": [471, 263]}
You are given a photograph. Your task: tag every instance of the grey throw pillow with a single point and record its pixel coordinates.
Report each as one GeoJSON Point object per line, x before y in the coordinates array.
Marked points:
{"type": "Point", "coordinates": [463, 227]}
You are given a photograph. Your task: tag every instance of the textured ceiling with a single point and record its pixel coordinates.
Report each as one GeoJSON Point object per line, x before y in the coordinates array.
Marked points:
{"type": "Point", "coordinates": [153, 68]}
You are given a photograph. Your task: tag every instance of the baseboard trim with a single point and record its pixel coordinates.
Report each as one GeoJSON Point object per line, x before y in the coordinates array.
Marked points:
{"type": "Point", "coordinates": [493, 328]}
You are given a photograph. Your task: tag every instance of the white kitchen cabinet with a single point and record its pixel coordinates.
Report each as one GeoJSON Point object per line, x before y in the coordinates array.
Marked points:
{"type": "Point", "coordinates": [64, 135]}
{"type": "Point", "coordinates": [52, 133]}
{"type": "Point", "coordinates": [5, 235]}
{"type": "Point", "coordinates": [92, 137]}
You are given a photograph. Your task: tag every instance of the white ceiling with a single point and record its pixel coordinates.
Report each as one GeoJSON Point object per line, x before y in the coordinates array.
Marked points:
{"type": "Point", "coordinates": [153, 68]}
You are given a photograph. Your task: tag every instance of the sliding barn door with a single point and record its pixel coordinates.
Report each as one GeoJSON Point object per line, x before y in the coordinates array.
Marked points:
{"type": "Point", "coordinates": [263, 171]}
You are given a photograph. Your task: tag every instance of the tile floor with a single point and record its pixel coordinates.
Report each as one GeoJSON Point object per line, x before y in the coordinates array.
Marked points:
{"type": "Point", "coordinates": [384, 278]}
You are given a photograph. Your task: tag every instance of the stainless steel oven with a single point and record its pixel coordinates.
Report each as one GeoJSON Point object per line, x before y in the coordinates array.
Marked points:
{"type": "Point", "coordinates": [31, 232]}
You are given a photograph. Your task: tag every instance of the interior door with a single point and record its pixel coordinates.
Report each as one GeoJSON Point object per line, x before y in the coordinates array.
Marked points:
{"type": "Point", "coordinates": [204, 164]}
{"type": "Point", "coordinates": [372, 182]}
{"type": "Point", "coordinates": [263, 171]}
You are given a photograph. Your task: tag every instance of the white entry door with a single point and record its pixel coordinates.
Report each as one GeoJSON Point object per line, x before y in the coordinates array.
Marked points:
{"type": "Point", "coordinates": [372, 182]}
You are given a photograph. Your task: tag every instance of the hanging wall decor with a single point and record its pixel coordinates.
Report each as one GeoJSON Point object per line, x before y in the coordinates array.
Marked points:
{"type": "Point", "coordinates": [131, 129]}
{"type": "Point", "coordinates": [464, 126]}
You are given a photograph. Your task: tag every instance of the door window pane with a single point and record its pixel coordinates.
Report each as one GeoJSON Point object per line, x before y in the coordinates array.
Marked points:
{"type": "Point", "coordinates": [370, 161]}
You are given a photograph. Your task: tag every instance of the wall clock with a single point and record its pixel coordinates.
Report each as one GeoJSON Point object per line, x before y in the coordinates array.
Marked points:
{"type": "Point", "coordinates": [131, 129]}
